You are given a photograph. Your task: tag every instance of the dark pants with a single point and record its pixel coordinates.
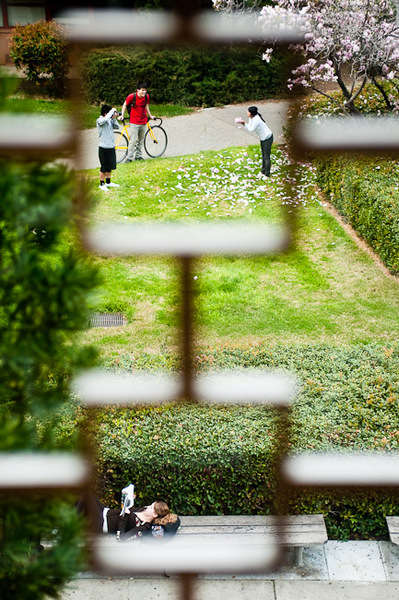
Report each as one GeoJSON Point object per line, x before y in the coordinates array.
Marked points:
{"type": "Point", "coordinates": [93, 508]}
{"type": "Point", "coordinates": [266, 147]}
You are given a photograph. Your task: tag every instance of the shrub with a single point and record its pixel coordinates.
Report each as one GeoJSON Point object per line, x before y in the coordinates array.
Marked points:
{"type": "Point", "coordinates": [40, 51]}
{"type": "Point", "coordinates": [196, 77]}
{"type": "Point", "coordinates": [364, 190]}
{"type": "Point", "coordinates": [213, 460]}
{"type": "Point", "coordinates": [43, 286]}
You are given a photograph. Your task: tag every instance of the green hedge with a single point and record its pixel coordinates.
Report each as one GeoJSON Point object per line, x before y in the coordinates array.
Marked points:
{"type": "Point", "coordinates": [218, 460]}
{"type": "Point", "coordinates": [196, 77]}
{"type": "Point", "coordinates": [366, 193]}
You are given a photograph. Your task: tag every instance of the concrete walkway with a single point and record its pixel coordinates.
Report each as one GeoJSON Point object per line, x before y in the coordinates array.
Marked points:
{"type": "Point", "coordinates": [337, 571]}
{"type": "Point", "coordinates": [207, 129]}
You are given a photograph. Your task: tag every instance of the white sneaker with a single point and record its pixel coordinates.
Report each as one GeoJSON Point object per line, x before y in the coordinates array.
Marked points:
{"type": "Point", "coordinates": [104, 187]}
{"type": "Point", "coordinates": [127, 499]}
{"type": "Point", "coordinates": [113, 184]}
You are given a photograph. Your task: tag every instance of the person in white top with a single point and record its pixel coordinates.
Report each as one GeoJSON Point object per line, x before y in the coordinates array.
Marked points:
{"type": "Point", "coordinates": [257, 125]}
{"type": "Point", "coordinates": [106, 146]}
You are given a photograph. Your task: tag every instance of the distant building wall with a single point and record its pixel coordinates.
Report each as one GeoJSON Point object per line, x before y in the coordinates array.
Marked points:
{"type": "Point", "coordinates": [18, 12]}
{"type": "Point", "coordinates": [5, 36]}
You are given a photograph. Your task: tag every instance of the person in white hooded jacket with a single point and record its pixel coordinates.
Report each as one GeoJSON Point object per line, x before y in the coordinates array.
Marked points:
{"type": "Point", "coordinates": [257, 125]}
{"type": "Point", "coordinates": [106, 146]}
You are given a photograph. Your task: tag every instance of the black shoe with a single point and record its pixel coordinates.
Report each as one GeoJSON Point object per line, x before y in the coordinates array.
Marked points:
{"type": "Point", "coordinates": [139, 158]}
{"type": "Point", "coordinates": [128, 160]}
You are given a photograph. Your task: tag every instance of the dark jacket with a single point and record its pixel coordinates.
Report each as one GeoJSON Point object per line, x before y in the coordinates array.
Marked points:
{"type": "Point", "coordinates": [129, 525]}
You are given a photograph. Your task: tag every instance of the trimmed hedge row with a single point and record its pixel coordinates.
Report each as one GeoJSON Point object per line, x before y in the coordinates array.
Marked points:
{"type": "Point", "coordinates": [218, 460]}
{"type": "Point", "coordinates": [366, 193]}
{"type": "Point", "coordinates": [195, 76]}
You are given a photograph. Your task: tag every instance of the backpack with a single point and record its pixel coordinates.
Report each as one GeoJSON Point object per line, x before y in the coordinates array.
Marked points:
{"type": "Point", "coordinates": [132, 104]}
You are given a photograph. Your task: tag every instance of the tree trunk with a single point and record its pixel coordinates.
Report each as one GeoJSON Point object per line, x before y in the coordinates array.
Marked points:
{"type": "Point", "coordinates": [351, 102]}
{"type": "Point", "coordinates": [341, 82]}
{"type": "Point", "coordinates": [383, 93]}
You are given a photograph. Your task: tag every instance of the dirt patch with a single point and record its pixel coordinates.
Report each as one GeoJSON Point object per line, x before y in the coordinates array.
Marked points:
{"type": "Point", "coordinates": [145, 312]}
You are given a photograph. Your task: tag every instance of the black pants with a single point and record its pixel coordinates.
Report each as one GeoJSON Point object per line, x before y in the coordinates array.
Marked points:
{"type": "Point", "coordinates": [107, 158]}
{"type": "Point", "coordinates": [95, 509]}
{"type": "Point", "coordinates": [266, 147]}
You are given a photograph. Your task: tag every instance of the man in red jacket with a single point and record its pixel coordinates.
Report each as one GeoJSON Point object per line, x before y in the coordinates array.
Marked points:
{"type": "Point", "coordinates": [138, 108]}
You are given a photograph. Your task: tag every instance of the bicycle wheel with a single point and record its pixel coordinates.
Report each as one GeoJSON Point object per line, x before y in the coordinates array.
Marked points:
{"type": "Point", "coordinates": [155, 141]}
{"type": "Point", "coordinates": [121, 145]}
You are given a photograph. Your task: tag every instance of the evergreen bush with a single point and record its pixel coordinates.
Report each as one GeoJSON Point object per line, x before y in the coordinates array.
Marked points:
{"type": "Point", "coordinates": [366, 193]}
{"type": "Point", "coordinates": [364, 190]}
{"type": "Point", "coordinates": [217, 460]}
{"type": "Point", "coordinates": [43, 286]}
{"type": "Point", "coordinates": [39, 49]}
{"type": "Point", "coordinates": [196, 76]}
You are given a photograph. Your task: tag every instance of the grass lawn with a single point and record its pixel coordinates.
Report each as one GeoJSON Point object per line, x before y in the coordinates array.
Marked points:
{"type": "Point", "coordinates": [20, 104]}
{"type": "Point", "coordinates": [327, 291]}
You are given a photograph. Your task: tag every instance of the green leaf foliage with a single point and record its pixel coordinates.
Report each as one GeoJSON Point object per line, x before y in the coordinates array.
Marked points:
{"type": "Point", "coordinates": [364, 190]}
{"type": "Point", "coordinates": [219, 460]}
{"type": "Point", "coordinates": [196, 77]}
{"type": "Point", "coordinates": [29, 570]}
{"type": "Point", "coordinates": [366, 193]}
{"type": "Point", "coordinates": [43, 288]}
{"type": "Point", "coordinates": [39, 50]}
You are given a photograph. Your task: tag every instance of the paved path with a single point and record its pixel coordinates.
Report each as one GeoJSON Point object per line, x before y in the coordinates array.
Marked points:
{"type": "Point", "coordinates": [207, 129]}
{"type": "Point", "coordinates": [231, 589]}
{"type": "Point", "coordinates": [337, 571]}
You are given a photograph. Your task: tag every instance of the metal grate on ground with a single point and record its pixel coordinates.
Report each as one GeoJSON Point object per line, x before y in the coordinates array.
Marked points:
{"type": "Point", "coordinates": [107, 320]}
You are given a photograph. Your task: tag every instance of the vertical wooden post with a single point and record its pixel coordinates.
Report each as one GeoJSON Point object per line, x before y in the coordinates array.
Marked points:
{"type": "Point", "coordinates": [187, 586]}
{"type": "Point", "coordinates": [187, 315]}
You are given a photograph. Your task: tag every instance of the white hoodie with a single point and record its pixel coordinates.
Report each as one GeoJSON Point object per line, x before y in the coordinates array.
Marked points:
{"type": "Point", "coordinates": [256, 125]}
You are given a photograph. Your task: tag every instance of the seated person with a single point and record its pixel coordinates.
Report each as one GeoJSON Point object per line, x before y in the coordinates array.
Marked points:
{"type": "Point", "coordinates": [129, 524]}
{"type": "Point", "coordinates": [139, 522]}
{"type": "Point", "coordinates": [165, 526]}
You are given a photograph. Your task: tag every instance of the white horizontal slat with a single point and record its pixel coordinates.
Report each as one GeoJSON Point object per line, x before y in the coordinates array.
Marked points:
{"type": "Point", "coordinates": [350, 133]}
{"type": "Point", "coordinates": [97, 387]}
{"type": "Point", "coordinates": [26, 470]}
{"type": "Point", "coordinates": [121, 26]}
{"type": "Point", "coordinates": [184, 555]}
{"type": "Point", "coordinates": [246, 386]}
{"type": "Point", "coordinates": [371, 469]}
{"type": "Point", "coordinates": [179, 239]}
{"type": "Point", "coordinates": [138, 26]}
{"type": "Point", "coordinates": [246, 26]}
{"type": "Point", "coordinates": [30, 131]}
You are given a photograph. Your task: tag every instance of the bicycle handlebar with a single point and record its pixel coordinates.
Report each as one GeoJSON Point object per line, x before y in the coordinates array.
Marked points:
{"type": "Point", "coordinates": [155, 119]}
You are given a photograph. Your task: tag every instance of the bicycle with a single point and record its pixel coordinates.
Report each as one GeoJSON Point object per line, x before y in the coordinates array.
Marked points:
{"type": "Point", "coordinates": [155, 140]}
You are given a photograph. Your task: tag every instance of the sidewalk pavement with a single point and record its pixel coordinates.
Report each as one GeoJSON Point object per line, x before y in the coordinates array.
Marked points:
{"type": "Point", "coordinates": [207, 129]}
{"type": "Point", "coordinates": [358, 570]}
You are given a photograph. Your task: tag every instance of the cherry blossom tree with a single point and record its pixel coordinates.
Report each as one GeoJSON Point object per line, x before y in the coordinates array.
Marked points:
{"type": "Point", "coordinates": [350, 42]}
